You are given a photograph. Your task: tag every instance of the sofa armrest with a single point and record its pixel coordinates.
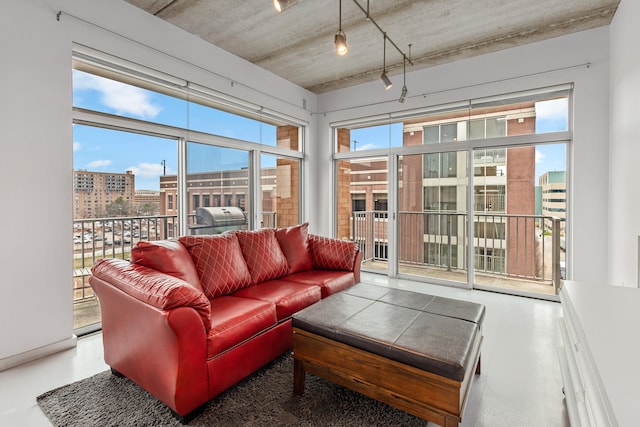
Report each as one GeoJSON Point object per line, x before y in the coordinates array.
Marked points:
{"type": "Point", "coordinates": [153, 287]}
{"type": "Point", "coordinates": [163, 351]}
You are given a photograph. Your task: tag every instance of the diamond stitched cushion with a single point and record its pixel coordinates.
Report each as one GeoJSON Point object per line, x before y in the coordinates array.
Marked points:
{"type": "Point", "coordinates": [263, 254]}
{"type": "Point", "coordinates": [294, 242]}
{"type": "Point", "coordinates": [219, 262]}
{"type": "Point", "coordinates": [332, 254]}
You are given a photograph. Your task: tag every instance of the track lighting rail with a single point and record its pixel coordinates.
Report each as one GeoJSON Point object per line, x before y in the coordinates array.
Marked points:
{"type": "Point", "coordinates": [369, 18]}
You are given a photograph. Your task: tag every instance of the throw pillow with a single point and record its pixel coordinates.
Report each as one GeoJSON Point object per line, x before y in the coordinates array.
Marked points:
{"type": "Point", "coordinates": [263, 254]}
{"type": "Point", "coordinates": [219, 262]}
{"type": "Point", "coordinates": [294, 242]}
{"type": "Point", "coordinates": [169, 257]}
{"type": "Point", "coordinates": [332, 254]}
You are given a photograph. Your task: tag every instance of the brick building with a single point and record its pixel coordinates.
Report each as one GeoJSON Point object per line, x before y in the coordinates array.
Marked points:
{"type": "Point", "coordinates": [94, 191]}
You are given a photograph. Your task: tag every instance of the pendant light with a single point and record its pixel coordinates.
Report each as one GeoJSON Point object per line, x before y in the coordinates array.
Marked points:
{"type": "Point", "coordinates": [340, 38]}
{"type": "Point", "coordinates": [280, 5]}
{"type": "Point", "coordinates": [403, 94]}
{"type": "Point", "coordinates": [383, 77]}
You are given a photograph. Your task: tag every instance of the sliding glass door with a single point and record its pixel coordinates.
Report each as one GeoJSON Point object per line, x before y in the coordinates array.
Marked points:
{"type": "Point", "coordinates": [432, 216]}
{"type": "Point", "coordinates": [476, 193]}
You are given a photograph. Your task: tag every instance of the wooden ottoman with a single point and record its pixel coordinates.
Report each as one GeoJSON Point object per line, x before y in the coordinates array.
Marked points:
{"type": "Point", "coordinates": [413, 351]}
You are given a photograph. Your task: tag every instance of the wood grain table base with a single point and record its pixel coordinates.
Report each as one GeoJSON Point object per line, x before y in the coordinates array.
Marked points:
{"type": "Point", "coordinates": [423, 394]}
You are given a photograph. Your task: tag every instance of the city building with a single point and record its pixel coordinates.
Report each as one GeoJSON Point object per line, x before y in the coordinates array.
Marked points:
{"type": "Point", "coordinates": [146, 202]}
{"type": "Point", "coordinates": [95, 192]}
{"type": "Point", "coordinates": [553, 187]}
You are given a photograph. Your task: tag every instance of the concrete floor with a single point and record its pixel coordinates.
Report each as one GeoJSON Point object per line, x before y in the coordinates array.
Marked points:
{"type": "Point", "coordinates": [520, 384]}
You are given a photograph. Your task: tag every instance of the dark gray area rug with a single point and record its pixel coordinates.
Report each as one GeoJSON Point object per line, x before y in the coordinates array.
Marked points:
{"type": "Point", "coordinates": [264, 399]}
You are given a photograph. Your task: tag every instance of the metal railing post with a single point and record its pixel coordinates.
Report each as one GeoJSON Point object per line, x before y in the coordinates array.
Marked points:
{"type": "Point", "coordinates": [449, 241]}
{"type": "Point", "coordinates": [555, 253]}
{"type": "Point", "coordinates": [353, 227]}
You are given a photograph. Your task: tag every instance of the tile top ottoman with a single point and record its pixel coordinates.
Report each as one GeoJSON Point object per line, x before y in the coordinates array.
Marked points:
{"type": "Point", "coordinates": [411, 350]}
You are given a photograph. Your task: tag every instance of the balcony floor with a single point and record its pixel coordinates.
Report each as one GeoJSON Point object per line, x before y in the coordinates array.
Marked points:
{"type": "Point", "coordinates": [493, 281]}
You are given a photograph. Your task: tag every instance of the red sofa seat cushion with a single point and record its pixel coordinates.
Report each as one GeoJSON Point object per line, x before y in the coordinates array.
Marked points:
{"type": "Point", "coordinates": [219, 262]}
{"type": "Point", "coordinates": [288, 297]}
{"type": "Point", "coordinates": [329, 281]}
{"type": "Point", "coordinates": [332, 254]}
{"type": "Point", "coordinates": [169, 257]}
{"type": "Point", "coordinates": [152, 287]}
{"type": "Point", "coordinates": [263, 255]}
{"type": "Point", "coordinates": [236, 320]}
{"type": "Point", "coordinates": [294, 242]}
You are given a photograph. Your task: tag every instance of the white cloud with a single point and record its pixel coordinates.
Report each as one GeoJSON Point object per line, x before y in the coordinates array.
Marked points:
{"type": "Point", "coordinates": [76, 146]}
{"type": "Point", "coordinates": [148, 170]}
{"type": "Point", "coordinates": [123, 98]}
{"type": "Point", "coordinates": [99, 163]}
{"type": "Point", "coordinates": [553, 109]}
{"type": "Point", "coordinates": [539, 156]}
{"type": "Point", "coordinates": [366, 147]}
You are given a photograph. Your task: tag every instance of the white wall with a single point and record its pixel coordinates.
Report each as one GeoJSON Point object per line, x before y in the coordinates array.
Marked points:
{"type": "Point", "coordinates": [36, 149]}
{"type": "Point", "coordinates": [551, 62]}
{"type": "Point", "coordinates": [624, 203]}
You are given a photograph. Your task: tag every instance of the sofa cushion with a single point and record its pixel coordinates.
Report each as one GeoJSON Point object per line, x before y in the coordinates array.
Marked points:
{"type": "Point", "coordinates": [294, 242]}
{"type": "Point", "coordinates": [263, 255]}
{"type": "Point", "coordinates": [219, 263]}
{"type": "Point", "coordinates": [332, 254]}
{"type": "Point", "coordinates": [329, 281]}
{"type": "Point", "coordinates": [169, 257]}
{"type": "Point", "coordinates": [288, 297]}
{"type": "Point", "coordinates": [152, 287]}
{"type": "Point", "coordinates": [236, 320]}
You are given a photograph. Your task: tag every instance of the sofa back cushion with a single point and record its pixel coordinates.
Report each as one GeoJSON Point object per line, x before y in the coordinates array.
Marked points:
{"type": "Point", "coordinates": [294, 242]}
{"type": "Point", "coordinates": [219, 263]}
{"type": "Point", "coordinates": [169, 257]}
{"type": "Point", "coordinates": [263, 255]}
{"type": "Point", "coordinates": [332, 254]}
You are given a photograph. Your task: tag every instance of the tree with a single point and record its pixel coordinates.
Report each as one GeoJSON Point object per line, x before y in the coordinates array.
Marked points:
{"type": "Point", "coordinates": [119, 207]}
{"type": "Point", "coordinates": [148, 209]}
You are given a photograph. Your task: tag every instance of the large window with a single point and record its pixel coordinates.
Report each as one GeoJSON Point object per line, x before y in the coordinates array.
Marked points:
{"type": "Point", "coordinates": [480, 191]}
{"type": "Point", "coordinates": [154, 157]}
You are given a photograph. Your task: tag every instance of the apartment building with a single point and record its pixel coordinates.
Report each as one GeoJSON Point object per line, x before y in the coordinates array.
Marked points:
{"type": "Point", "coordinates": [94, 192]}
{"type": "Point", "coordinates": [553, 186]}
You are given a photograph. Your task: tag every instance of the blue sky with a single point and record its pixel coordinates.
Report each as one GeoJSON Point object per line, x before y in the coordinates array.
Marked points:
{"type": "Point", "coordinates": [148, 157]}
{"type": "Point", "coordinates": [105, 150]}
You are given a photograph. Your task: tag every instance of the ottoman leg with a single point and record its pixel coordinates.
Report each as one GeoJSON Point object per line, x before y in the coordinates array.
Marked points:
{"type": "Point", "coordinates": [298, 377]}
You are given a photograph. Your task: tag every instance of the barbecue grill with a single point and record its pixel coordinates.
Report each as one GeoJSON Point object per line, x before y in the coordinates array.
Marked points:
{"type": "Point", "coordinates": [218, 220]}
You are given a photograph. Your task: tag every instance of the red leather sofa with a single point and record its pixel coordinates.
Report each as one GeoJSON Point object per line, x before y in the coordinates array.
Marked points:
{"type": "Point", "coordinates": [185, 319]}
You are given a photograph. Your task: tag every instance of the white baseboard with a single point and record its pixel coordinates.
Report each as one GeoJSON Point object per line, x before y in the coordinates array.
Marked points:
{"type": "Point", "coordinates": [37, 353]}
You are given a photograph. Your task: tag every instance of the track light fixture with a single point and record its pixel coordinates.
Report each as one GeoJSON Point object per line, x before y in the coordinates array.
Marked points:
{"type": "Point", "coordinates": [340, 39]}
{"type": "Point", "coordinates": [383, 77]}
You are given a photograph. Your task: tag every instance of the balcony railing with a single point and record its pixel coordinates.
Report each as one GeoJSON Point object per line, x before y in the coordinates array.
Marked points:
{"type": "Point", "coordinates": [522, 247]}
{"type": "Point", "coordinates": [98, 238]}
